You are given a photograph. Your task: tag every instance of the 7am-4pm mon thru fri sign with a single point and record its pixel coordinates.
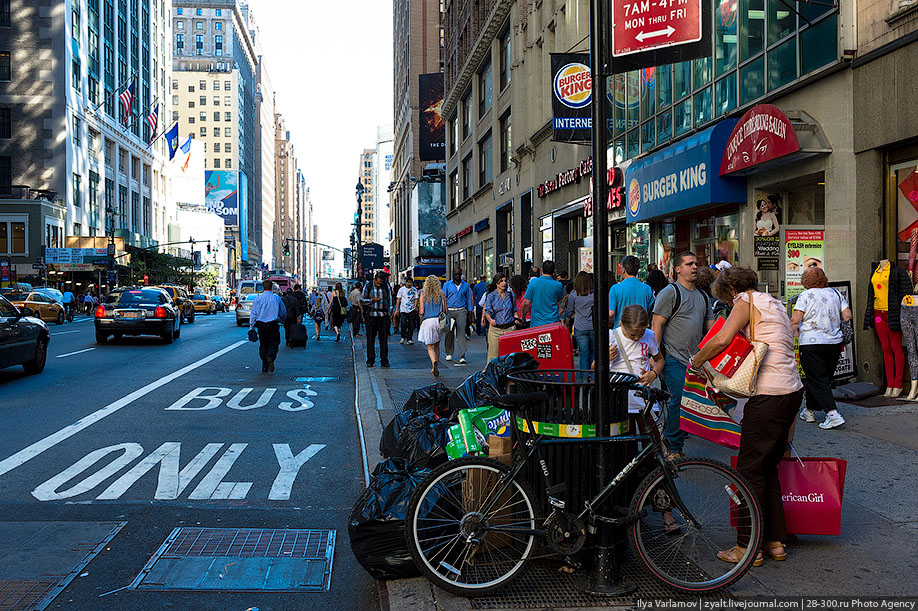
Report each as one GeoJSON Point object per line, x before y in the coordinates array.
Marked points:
{"type": "Point", "coordinates": [644, 25]}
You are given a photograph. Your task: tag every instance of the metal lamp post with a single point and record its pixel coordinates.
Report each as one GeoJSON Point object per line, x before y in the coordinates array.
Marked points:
{"type": "Point", "coordinates": [358, 222]}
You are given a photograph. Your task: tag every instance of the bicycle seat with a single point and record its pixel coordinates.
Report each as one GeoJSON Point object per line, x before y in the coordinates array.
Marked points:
{"type": "Point", "coordinates": [517, 403]}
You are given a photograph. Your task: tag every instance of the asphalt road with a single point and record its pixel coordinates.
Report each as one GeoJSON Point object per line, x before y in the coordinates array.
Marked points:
{"type": "Point", "coordinates": [75, 439]}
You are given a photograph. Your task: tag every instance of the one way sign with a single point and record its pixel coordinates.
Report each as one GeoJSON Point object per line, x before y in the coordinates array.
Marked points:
{"type": "Point", "coordinates": [643, 25]}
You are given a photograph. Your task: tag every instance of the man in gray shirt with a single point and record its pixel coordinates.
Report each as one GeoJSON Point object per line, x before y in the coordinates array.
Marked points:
{"type": "Point", "coordinates": [681, 316]}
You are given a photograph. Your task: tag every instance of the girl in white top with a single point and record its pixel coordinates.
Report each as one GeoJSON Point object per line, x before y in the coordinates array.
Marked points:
{"type": "Point", "coordinates": [641, 356]}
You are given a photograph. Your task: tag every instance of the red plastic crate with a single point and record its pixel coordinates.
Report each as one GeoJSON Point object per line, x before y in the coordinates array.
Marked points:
{"type": "Point", "coordinates": [551, 344]}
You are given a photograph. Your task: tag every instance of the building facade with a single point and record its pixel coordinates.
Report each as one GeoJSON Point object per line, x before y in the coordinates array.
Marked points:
{"type": "Point", "coordinates": [418, 49]}
{"type": "Point", "coordinates": [366, 174]}
{"type": "Point", "coordinates": [285, 199]}
{"type": "Point", "coordinates": [64, 138]}
{"type": "Point", "coordinates": [264, 150]}
{"type": "Point", "coordinates": [383, 172]}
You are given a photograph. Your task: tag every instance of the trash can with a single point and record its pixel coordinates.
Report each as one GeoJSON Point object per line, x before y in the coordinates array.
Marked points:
{"type": "Point", "coordinates": [570, 412]}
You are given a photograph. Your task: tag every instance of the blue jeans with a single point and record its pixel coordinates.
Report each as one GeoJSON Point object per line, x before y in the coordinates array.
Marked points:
{"type": "Point", "coordinates": [584, 341]}
{"type": "Point", "coordinates": [674, 379]}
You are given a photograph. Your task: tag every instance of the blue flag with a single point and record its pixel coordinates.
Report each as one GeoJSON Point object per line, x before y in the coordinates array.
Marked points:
{"type": "Point", "coordinates": [186, 149]}
{"type": "Point", "coordinates": [172, 140]}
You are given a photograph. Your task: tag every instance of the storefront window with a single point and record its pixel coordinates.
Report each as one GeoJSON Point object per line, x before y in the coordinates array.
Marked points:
{"type": "Point", "coordinates": [664, 86]}
{"type": "Point", "coordinates": [639, 243]}
{"type": "Point", "coordinates": [647, 137]}
{"type": "Point", "coordinates": [903, 202]}
{"type": "Point", "coordinates": [546, 224]}
{"type": "Point", "coordinates": [725, 94]}
{"type": "Point", "coordinates": [725, 35]}
{"type": "Point", "coordinates": [704, 106]}
{"type": "Point", "coordinates": [665, 127]}
{"type": "Point", "coordinates": [818, 44]}
{"type": "Point", "coordinates": [782, 64]}
{"type": "Point", "coordinates": [666, 245]}
{"type": "Point", "coordinates": [489, 257]}
{"type": "Point", "coordinates": [682, 79]}
{"type": "Point", "coordinates": [752, 81]}
{"type": "Point", "coordinates": [752, 28]}
{"type": "Point", "coordinates": [683, 116]}
{"type": "Point", "coordinates": [715, 238]}
{"type": "Point", "coordinates": [781, 20]}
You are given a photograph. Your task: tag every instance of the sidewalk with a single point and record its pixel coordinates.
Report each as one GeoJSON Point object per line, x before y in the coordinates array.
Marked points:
{"type": "Point", "coordinates": [874, 556]}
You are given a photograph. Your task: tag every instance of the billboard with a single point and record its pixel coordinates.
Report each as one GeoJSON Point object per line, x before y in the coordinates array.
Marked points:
{"type": "Point", "coordinates": [221, 194]}
{"type": "Point", "coordinates": [243, 215]}
{"type": "Point", "coordinates": [432, 136]}
{"type": "Point", "coordinates": [431, 209]}
{"type": "Point", "coordinates": [572, 97]}
{"type": "Point", "coordinates": [328, 255]}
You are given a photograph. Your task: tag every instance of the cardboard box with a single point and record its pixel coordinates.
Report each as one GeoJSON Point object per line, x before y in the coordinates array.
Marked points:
{"type": "Point", "coordinates": [478, 484]}
{"type": "Point", "coordinates": [500, 448]}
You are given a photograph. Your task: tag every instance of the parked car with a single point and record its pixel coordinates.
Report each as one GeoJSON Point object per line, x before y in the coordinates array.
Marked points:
{"type": "Point", "coordinates": [23, 338]}
{"type": "Point", "coordinates": [244, 309]}
{"type": "Point", "coordinates": [140, 310]}
{"type": "Point", "coordinates": [203, 303]}
{"type": "Point", "coordinates": [221, 304]}
{"type": "Point", "coordinates": [42, 306]}
{"type": "Point", "coordinates": [180, 299]}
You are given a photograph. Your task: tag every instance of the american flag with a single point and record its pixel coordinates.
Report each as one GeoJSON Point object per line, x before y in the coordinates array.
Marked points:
{"type": "Point", "coordinates": [127, 101]}
{"type": "Point", "coordinates": [151, 121]}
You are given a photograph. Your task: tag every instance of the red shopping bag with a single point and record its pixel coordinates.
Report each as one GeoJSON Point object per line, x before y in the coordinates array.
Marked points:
{"type": "Point", "coordinates": [704, 412]}
{"type": "Point", "coordinates": [812, 490]}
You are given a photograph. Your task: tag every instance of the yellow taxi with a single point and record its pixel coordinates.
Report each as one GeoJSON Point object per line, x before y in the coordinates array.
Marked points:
{"type": "Point", "coordinates": [44, 307]}
{"type": "Point", "coordinates": [204, 304]}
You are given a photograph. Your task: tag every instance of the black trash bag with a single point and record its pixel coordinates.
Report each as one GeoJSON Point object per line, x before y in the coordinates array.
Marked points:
{"type": "Point", "coordinates": [430, 399]}
{"type": "Point", "coordinates": [423, 441]}
{"type": "Point", "coordinates": [376, 526]}
{"type": "Point", "coordinates": [480, 388]}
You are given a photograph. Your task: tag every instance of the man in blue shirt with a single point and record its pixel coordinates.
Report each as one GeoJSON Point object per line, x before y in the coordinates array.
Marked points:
{"type": "Point", "coordinates": [459, 304]}
{"type": "Point", "coordinates": [268, 311]}
{"type": "Point", "coordinates": [478, 291]}
{"type": "Point", "coordinates": [543, 297]}
{"type": "Point", "coordinates": [630, 291]}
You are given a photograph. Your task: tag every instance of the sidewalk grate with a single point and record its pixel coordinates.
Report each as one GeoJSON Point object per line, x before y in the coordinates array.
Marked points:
{"type": "Point", "coordinates": [241, 559]}
{"type": "Point", "coordinates": [544, 586]}
{"type": "Point", "coordinates": [24, 594]}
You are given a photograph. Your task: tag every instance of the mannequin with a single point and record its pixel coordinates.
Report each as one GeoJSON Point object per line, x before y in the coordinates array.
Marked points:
{"type": "Point", "coordinates": [888, 286]}
{"type": "Point", "coordinates": [909, 316]}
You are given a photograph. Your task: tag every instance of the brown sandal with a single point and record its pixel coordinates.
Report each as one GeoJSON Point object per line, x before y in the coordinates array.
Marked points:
{"type": "Point", "coordinates": [770, 548]}
{"type": "Point", "coordinates": [735, 554]}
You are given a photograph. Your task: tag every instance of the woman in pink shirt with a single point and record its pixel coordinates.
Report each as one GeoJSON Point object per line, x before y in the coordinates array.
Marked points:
{"type": "Point", "coordinates": [770, 413]}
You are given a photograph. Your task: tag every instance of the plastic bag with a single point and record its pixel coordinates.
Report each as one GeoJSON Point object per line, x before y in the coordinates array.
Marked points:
{"type": "Point", "coordinates": [480, 388]}
{"type": "Point", "coordinates": [376, 526]}
{"type": "Point", "coordinates": [388, 443]}
{"type": "Point", "coordinates": [423, 441]}
{"type": "Point", "coordinates": [430, 399]}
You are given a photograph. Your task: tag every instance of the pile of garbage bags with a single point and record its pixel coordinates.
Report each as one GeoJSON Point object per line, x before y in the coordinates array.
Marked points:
{"type": "Point", "coordinates": [412, 444]}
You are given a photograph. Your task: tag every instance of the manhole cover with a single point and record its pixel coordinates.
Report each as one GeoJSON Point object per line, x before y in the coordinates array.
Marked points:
{"type": "Point", "coordinates": [241, 559]}
{"type": "Point", "coordinates": [23, 594]}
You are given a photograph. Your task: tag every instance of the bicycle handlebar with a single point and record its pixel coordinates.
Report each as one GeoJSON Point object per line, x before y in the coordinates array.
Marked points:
{"type": "Point", "coordinates": [650, 394]}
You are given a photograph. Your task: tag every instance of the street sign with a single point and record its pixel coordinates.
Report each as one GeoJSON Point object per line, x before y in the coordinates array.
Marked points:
{"type": "Point", "coordinates": [39, 266]}
{"type": "Point", "coordinates": [100, 261]}
{"type": "Point", "coordinates": [111, 249]}
{"type": "Point", "coordinates": [642, 25]}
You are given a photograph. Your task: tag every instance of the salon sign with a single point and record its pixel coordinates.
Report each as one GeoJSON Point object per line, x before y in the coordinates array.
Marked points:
{"type": "Point", "coordinates": [763, 134]}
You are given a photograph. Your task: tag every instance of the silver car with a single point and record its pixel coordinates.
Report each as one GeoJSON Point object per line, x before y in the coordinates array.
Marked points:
{"type": "Point", "coordinates": [244, 309]}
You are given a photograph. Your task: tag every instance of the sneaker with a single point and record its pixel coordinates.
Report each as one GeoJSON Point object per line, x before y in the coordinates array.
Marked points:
{"type": "Point", "coordinates": [410, 343]}
{"type": "Point", "coordinates": [832, 421]}
{"type": "Point", "coordinates": [449, 357]}
{"type": "Point", "coordinates": [675, 455]}
{"type": "Point", "coordinates": [401, 341]}
{"type": "Point", "coordinates": [462, 361]}
{"type": "Point", "coordinates": [807, 415]}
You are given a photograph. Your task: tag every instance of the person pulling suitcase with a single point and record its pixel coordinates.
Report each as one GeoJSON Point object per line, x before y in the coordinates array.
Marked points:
{"type": "Point", "coordinates": [293, 314]}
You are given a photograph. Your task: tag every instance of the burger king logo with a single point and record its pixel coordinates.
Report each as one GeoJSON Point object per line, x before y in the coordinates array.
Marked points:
{"type": "Point", "coordinates": [634, 195]}
{"type": "Point", "coordinates": [574, 85]}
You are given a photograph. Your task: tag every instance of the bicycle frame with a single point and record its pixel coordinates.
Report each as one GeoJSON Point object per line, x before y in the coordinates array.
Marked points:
{"type": "Point", "coordinates": [655, 447]}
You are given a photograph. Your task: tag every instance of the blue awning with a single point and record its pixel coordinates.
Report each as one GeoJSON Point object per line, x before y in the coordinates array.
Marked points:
{"type": "Point", "coordinates": [683, 177]}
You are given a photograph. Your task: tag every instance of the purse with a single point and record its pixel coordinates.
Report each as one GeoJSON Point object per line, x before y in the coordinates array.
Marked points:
{"type": "Point", "coordinates": [847, 330]}
{"type": "Point", "coordinates": [444, 320]}
{"type": "Point", "coordinates": [742, 382]}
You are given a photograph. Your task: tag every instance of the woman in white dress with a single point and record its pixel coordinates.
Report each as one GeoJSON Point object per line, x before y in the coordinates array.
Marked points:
{"type": "Point", "coordinates": [430, 304]}
{"type": "Point", "coordinates": [766, 222]}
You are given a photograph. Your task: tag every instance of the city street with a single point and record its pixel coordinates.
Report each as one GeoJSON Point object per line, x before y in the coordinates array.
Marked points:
{"type": "Point", "coordinates": [111, 434]}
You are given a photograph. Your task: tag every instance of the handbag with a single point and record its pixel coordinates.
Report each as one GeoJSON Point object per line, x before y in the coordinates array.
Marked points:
{"type": "Point", "coordinates": [742, 382]}
{"type": "Point", "coordinates": [444, 321]}
{"type": "Point", "coordinates": [812, 491]}
{"type": "Point", "coordinates": [704, 412]}
{"type": "Point", "coordinates": [847, 330]}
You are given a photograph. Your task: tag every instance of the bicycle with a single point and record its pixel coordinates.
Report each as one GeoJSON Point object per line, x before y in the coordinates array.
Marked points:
{"type": "Point", "coordinates": [472, 525]}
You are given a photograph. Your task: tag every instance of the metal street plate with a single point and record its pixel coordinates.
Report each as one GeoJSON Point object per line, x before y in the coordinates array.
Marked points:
{"type": "Point", "coordinates": [642, 25]}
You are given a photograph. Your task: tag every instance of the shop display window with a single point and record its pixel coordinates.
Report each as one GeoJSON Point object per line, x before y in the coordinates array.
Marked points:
{"type": "Point", "coordinates": [903, 194]}
{"type": "Point", "coordinates": [716, 238]}
{"type": "Point", "coordinates": [639, 243]}
{"type": "Point", "coordinates": [673, 237]}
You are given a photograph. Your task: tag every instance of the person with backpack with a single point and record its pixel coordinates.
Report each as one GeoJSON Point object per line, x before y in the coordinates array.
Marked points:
{"type": "Point", "coordinates": [301, 299]}
{"type": "Point", "coordinates": [293, 313]}
{"type": "Point", "coordinates": [681, 316]}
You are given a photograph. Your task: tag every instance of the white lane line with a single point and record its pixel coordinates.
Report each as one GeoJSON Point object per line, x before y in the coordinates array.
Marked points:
{"type": "Point", "coordinates": [363, 443]}
{"type": "Point", "coordinates": [60, 356]}
{"type": "Point", "coordinates": [27, 454]}
{"type": "Point", "coordinates": [63, 333]}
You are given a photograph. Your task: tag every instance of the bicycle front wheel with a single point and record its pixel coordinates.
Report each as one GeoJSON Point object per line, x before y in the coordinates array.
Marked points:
{"type": "Point", "coordinates": [680, 548]}
{"type": "Point", "coordinates": [450, 525]}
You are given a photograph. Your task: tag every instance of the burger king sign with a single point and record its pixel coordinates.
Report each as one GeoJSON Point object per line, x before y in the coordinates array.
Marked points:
{"type": "Point", "coordinates": [574, 85]}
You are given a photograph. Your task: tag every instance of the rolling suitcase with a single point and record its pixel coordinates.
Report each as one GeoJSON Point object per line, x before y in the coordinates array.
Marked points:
{"type": "Point", "coordinates": [298, 335]}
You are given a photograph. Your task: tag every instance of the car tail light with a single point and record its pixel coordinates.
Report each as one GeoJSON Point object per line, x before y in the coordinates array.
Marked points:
{"type": "Point", "coordinates": [100, 312]}
{"type": "Point", "coordinates": [159, 312]}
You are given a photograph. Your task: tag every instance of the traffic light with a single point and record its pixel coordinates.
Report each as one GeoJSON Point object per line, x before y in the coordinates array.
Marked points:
{"type": "Point", "coordinates": [208, 248]}
{"type": "Point", "coordinates": [286, 249]}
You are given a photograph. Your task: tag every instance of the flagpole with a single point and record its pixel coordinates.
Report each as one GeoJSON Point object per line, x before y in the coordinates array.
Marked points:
{"type": "Point", "coordinates": [115, 91]}
{"type": "Point", "coordinates": [163, 133]}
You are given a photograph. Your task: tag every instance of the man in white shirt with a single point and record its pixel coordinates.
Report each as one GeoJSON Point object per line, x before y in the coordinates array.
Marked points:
{"type": "Point", "coordinates": [406, 306]}
{"type": "Point", "coordinates": [267, 313]}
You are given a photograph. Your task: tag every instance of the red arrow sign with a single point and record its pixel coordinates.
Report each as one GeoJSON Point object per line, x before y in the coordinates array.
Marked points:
{"type": "Point", "coordinates": [642, 25]}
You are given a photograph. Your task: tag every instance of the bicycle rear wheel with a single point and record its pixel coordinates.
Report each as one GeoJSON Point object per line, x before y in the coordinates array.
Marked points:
{"type": "Point", "coordinates": [721, 502]}
{"type": "Point", "coordinates": [448, 527]}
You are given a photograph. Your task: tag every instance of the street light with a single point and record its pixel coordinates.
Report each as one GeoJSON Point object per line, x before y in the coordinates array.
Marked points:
{"type": "Point", "coordinates": [358, 222]}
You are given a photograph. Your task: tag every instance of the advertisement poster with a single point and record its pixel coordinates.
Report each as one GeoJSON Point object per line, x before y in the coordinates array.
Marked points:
{"type": "Point", "coordinates": [803, 248]}
{"type": "Point", "coordinates": [572, 96]}
{"type": "Point", "coordinates": [221, 194]}
{"type": "Point", "coordinates": [846, 364]}
{"type": "Point", "coordinates": [431, 207]}
{"type": "Point", "coordinates": [586, 259]}
{"type": "Point", "coordinates": [432, 136]}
